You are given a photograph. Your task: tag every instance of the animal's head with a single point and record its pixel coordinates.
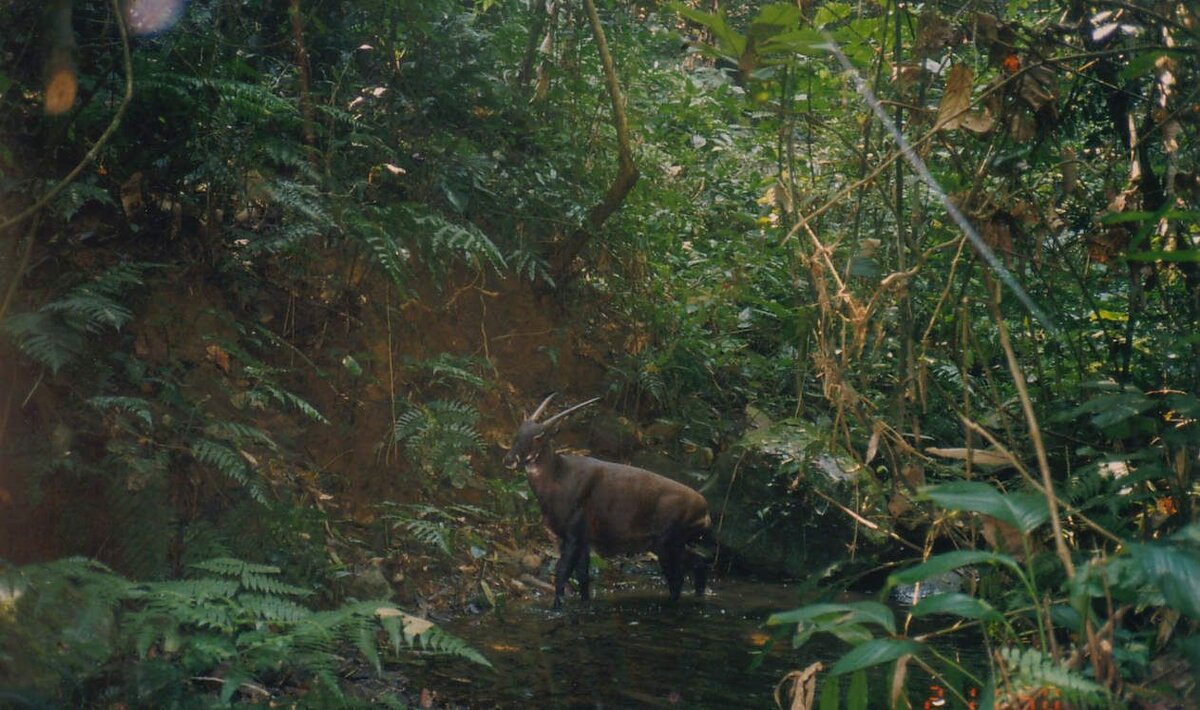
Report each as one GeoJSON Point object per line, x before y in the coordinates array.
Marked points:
{"type": "Point", "coordinates": [534, 437]}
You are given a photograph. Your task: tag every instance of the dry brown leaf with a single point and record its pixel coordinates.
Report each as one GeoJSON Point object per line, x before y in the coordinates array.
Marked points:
{"type": "Point", "coordinates": [218, 356]}
{"type": "Point", "coordinates": [1003, 537]}
{"type": "Point", "coordinates": [803, 687]}
{"type": "Point", "coordinates": [982, 457]}
{"type": "Point", "coordinates": [899, 675]}
{"type": "Point", "coordinates": [956, 98]}
{"type": "Point", "coordinates": [913, 475]}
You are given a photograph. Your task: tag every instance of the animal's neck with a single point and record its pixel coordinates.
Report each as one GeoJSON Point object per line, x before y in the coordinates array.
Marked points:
{"type": "Point", "coordinates": [544, 471]}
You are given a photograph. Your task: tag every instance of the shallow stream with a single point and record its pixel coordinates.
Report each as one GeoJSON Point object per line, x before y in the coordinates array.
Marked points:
{"type": "Point", "coordinates": [627, 648]}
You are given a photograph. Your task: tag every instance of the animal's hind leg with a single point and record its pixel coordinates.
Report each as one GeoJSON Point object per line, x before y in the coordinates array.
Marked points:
{"type": "Point", "coordinates": [699, 558]}
{"type": "Point", "coordinates": [583, 570]}
{"type": "Point", "coordinates": [699, 572]}
{"type": "Point", "coordinates": [670, 556]}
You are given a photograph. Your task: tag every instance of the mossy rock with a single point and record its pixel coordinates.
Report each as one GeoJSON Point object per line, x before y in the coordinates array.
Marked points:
{"type": "Point", "coordinates": [770, 498]}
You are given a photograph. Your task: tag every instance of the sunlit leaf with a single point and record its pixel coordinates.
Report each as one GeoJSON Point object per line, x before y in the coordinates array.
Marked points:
{"type": "Point", "coordinates": [873, 653]}
{"type": "Point", "coordinates": [850, 613]}
{"type": "Point", "coordinates": [948, 561]}
{"type": "Point", "coordinates": [1024, 511]}
{"type": "Point", "coordinates": [956, 604]}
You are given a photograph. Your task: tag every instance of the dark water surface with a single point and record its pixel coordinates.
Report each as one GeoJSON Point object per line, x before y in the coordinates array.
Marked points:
{"type": "Point", "coordinates": [627, 648]}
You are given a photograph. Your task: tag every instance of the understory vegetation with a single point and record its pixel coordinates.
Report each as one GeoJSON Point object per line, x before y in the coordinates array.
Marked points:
{"type": "Point", "coordinates": [277, 280]}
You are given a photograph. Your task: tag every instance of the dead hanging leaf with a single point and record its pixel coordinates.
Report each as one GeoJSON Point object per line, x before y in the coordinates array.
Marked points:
{"type": "Point", "coordinates": [1021, 127]}
{"type": "Point", "coordinates": [1037, 87]}
{"type": "Point", "coordinates": [1170, 135]}
{"type": "Point", "coordinates": [898, 504]}
{"type": "Point", "coordinates": [218, 356]}
{"type": "Point", "coordinates": [904, 76]}
{"type": "Point", "coordinates": [803, 687]}
{"type": "Point", "coordinates": [132, 200]}
{"type": "Point", "coordinates": [1106, 247]}
{"type": "Point", "coordinates": [934, 33]}
{"type": "Point", "coordinates": [982, 457]}
{"type": "Point", "coordinates": [873, 445]}
{"type": "Point", "coordinates": [913, 475]}
{"type": "Point", "coordinates": [899, 676]}
{"type": "Point", "coordinates": [1003, 537]}
{"type": "Point", "coordinates": [998, 235]}
{"type": "Point", "coordinates": [1070, 172]}
{"type": "Point", "coordinates": [953, 113]}
{"type": "Point", "coordinates": [956, 98]}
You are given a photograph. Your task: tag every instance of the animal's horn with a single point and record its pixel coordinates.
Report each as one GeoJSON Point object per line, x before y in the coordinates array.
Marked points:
{"type": "Point", "coordinates": [541, 407]}
{"type": "Point", "coordinates": [564, 413]}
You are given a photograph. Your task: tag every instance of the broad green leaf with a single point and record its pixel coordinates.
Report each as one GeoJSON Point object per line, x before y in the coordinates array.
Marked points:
{"type": "Point", "coordinates": [956, 604]}
{"type": "Point", "coordinates": [852, 634]}
{"type": "Point", "coordinates": [849, 613]}
{"type": "Point", "coordinates": [831, 12]}
{"type": "Point", "coordinates": [1145, 62]}
{"type": "Point", "coordinates": [778, 15]}
{"type": "Point", "coordinates": [856, 694]}
{"type": "Point", "coordinates": [1176, 571]}
{"type": "Point", "coordinates": [732, 43]}
{"type": "Point", "coordinates": [1024, 511]}
{"type": "Point", "coordinates": [940, 564]}
{"type": "Point", "coordinates": [873, 653]}
{"type": "Point", "coordinates": [806, 42]}
{"type": "Point", "coordinates": [1116, 408]}
{"type": "Point", "coordinates": [830, 694]}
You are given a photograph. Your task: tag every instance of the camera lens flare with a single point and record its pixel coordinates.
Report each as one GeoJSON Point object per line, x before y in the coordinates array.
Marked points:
{"type": "Point", "coordinates": [147, 17]}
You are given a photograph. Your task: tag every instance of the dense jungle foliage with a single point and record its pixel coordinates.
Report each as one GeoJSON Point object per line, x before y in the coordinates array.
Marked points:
{"type": "Point", "coordinates": [278, 279]}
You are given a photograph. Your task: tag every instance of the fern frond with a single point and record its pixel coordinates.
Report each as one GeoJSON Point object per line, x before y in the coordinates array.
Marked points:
{"type": "Point", "coordinates": [434, 534]}
{"type": "Point", "coordinates": [238, 433]}
{"type": "Point", "coordinates": [439, 236]}
{"type": "Point", "coordinates": [264, 583]}
{"type": "Point", "coordinates": [45, 340]}
{"type": "Point", "coordinates": [265, 391]}
{"type": "Point", "coordinates": [230, 567]}
{"type": "Point", "coordinates": [136, 406]}
{"type": "Point", "coordinates": [531, 266]}
{"type": "Point", "coordinates": [447, 368]}
{"type": "Point", "coordinates": [299, 198]}
{"type": "Point", "coordinates": [386, 254]}
{"type": "Point", "coordinates": [266, 607]}
{"type": "Point", "coordinates": [1032, 670]}
{"type": "Point", "coordinates": [230, 463]}
{"type": "Point", "coordinates": [76, 195]}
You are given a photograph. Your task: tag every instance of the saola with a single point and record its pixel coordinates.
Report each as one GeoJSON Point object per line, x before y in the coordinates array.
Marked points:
{"type": "Point", "coordinates": [614, 508]}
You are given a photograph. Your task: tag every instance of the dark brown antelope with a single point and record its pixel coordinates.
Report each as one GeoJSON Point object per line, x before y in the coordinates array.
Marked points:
{"type": "Point", "coordinates": [614, 508]}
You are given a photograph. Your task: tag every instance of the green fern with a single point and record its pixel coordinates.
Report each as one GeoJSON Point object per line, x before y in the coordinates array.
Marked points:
{"type": "Point", "coordinates": [385, 253]}
{"type": "Point", "coordinates": [530, 265]}
{"type": "Point", "coordinates": [136, 406]}
{"type": "Point", "coordinates": [438, 236]}
{"type": "Point", "coordinates": [58, 332]}
{"type": "Point", "coordinates": [1031, 670]}
{"type": "Point", "coordinates": [449, 369]}
{"type": "Point", "coordinates": [441, 437]}
{"type": "Point", "coordinates": [230, 463]}
{"type": "Point", "coordinates": [433, 526]}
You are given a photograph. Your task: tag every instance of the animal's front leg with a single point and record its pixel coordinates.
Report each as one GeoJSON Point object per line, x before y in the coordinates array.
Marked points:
{"type": "Point", "coordinates": [568, 558]}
